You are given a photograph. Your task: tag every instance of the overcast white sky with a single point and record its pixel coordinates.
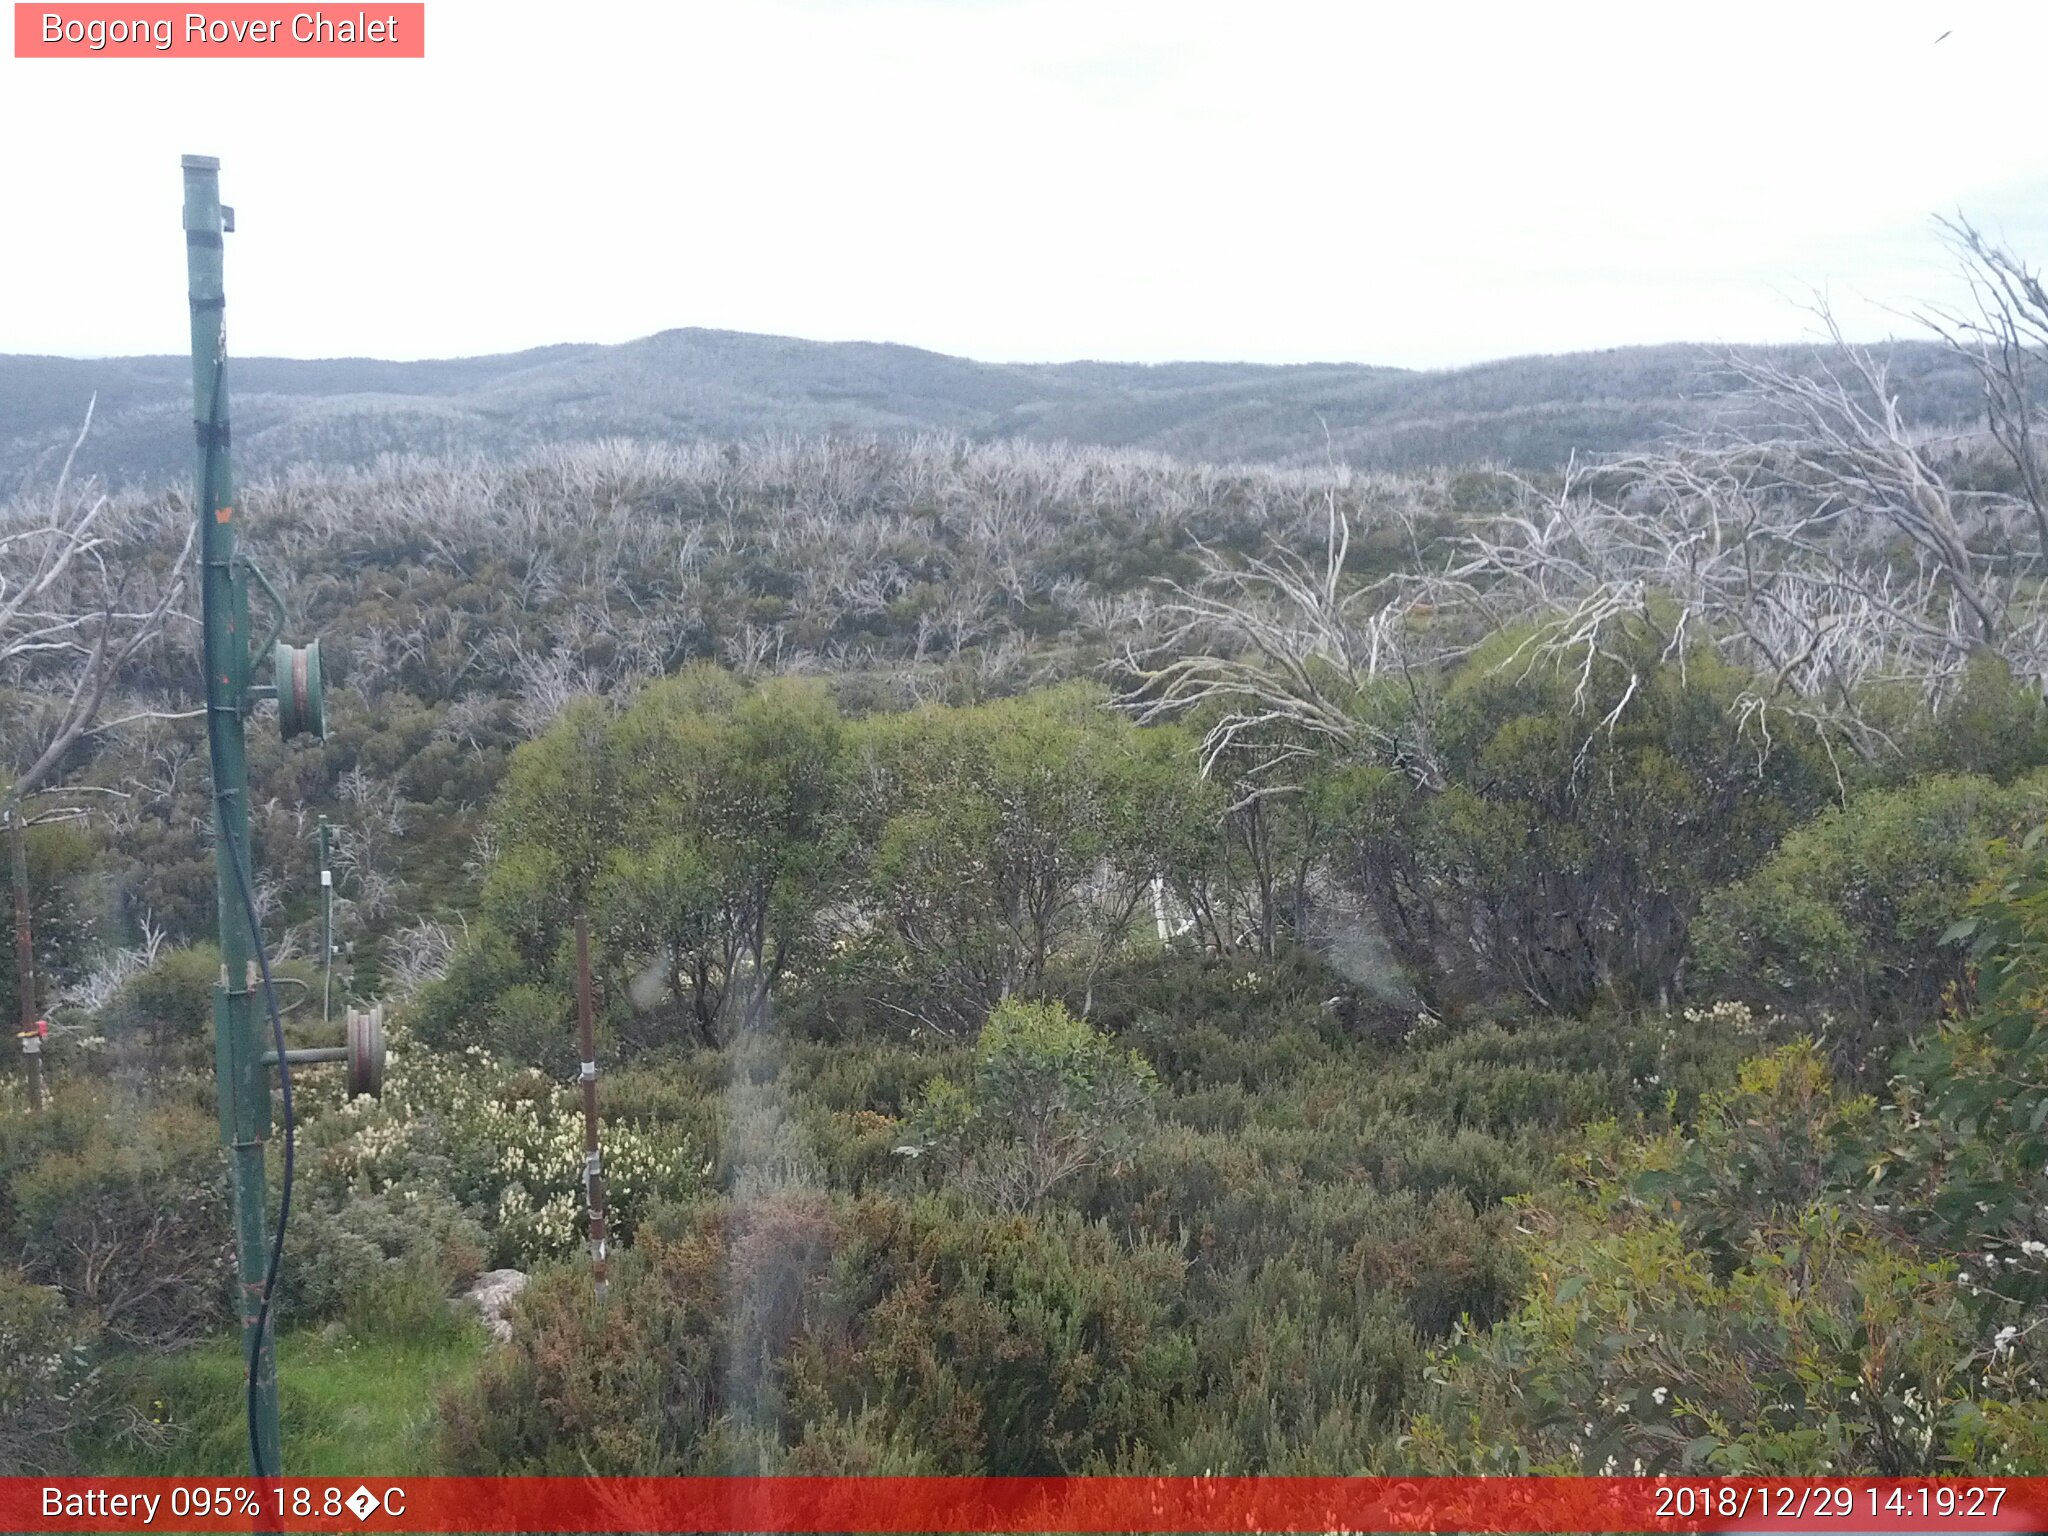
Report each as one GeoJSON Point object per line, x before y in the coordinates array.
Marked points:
{"type": "Point", "coordinates": [1423, 184]}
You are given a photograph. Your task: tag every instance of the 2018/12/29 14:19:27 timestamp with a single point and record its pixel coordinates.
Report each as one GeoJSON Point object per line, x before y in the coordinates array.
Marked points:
{"type": "Point", "coordinates": [1737, 1501]}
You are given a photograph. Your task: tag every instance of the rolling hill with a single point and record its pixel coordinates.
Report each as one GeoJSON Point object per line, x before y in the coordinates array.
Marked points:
{"type": "Point", "coordinates": [1525, 412]}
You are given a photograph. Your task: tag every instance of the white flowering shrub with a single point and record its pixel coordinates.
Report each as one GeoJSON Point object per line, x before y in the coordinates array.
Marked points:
{"type": "Point", "coordinates": [504, 1141]}
{"type": "Point", "coordinates": [1729, 1018]}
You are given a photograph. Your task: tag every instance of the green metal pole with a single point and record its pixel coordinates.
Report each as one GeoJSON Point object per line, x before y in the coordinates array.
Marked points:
{"type": "Point", "coordinates": [238, 1041]}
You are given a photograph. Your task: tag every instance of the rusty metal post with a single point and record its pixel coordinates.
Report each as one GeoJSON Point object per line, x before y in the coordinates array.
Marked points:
{"type": "Point", "coordinates": [25, 960]}
{"type": "Point", "coordinates": [593, 1165]}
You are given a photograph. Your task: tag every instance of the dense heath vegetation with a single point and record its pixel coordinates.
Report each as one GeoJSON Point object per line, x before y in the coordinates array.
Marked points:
{"type": "Point", "coordinates": [1104, 964]}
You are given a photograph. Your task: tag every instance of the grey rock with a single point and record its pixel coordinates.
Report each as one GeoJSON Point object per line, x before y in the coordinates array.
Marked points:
{"type": "Point", "coordinates": [492, 1295]}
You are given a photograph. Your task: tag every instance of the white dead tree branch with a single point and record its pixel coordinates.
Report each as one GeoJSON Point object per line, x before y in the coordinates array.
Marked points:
{"type": "Point", "coordinates": [80, 600]}
{"type": "Point", "coordinates": [1828, 550]}
{"type": "Point", "coordinates": [1286, 648]}
{"type": "Point", "coordinates": [547, 686]}
{"type": "Point", "coordinates": [418, 954]}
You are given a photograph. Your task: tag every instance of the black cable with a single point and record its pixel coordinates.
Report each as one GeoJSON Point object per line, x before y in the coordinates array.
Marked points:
{"type": "Point", "coordinates": [284, 1206]}
{"type": "Point", "coordinates": [236, 854]}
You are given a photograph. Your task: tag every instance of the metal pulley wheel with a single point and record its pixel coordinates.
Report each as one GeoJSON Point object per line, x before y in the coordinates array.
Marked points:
{"type": "Point", "coordinates": [365, 1060]}
{"type": "Point", "coordinates": [301, 692]}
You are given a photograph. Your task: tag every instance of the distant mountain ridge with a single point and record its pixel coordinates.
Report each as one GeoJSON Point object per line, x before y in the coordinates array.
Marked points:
{"type": "Point", "coordinates": [1525, 412]}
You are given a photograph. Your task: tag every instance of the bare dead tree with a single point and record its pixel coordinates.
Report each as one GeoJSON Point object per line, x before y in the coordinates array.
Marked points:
{"type": "Point", "coordinates": [1286, 647]}
{"type": "Point", "coordinates": [92, 992]}
{"type": "Point", "coordinates": [365, 848]}
{"type": "Point", "coordinates": [2004, 336]}
{"type": "Point", "coordinates": [1824, 548]}
{"type": "Point", "coordinates": [418, 954]}
{"type": "Point", "coordinates": [80, 600]}
{"type": "Point", "coordinates": [547, 685]}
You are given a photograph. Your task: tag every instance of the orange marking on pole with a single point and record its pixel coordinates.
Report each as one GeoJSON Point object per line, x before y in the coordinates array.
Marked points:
{"type": "Point", "coordinates": [223, 514]}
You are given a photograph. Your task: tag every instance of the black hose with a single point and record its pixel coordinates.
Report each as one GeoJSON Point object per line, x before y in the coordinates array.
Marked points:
{"type": "Point", "coordinates": [284, 1206]}
{"type": "Point", "coordinates": [237, 853]}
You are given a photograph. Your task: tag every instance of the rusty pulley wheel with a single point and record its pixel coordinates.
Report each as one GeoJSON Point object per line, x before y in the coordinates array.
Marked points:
{"type": "Point", "coordinates": [301, 690]}
{"type": "Point", "coordinates": [365, 1061]}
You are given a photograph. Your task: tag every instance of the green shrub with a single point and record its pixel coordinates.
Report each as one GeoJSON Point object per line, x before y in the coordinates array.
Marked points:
{"type": "Point", "coordinates": [1782, 1141]}
{"type": "Point", "coordinates": [47, 1379]}
{"type": "Point", "coordinates": [1825, 1351]}
{"type": "Point", "coordinates": [60, 872]}
{"type": "Point", "coordinates": [987, 829]}
{"type": "Point", "coordinates": [161, 1018]}
{"type": "Point", "coordinates": [1851, 914]}
{"type": "Point", "coordinates": [533, 1026]}
{"type": "Point", "coordinates": [671, 1373]}
{"type": "Point", "coordinates": [1049, 1097]}
{"type": "Point", "coordinates": [1585, 814]}
{"type": "Point", "coordinates": [733, 838]}
{"type": "Point", "coordinates": [1724, 1304]}
{"type": "Point", "coordinates": [1962, 1156]}
{"type": "Point", "coordinates": [1019, 1345]}
{"type": "Point", "coordinates": [1810, 1282]}
{"type": "Point", "coordinates": [131, 1225]}
{"type": "Point", "coordinates": [454, 1012]}
{"type": "Point", "coordinates": [73, 1114]}
{"type": "Point", "coordinates": [1286, 1383]}
{"type": "Point", "coordinates": [803, 1330]}
{"type": "Point", "coordinates": [350, 1259]}
{"type": "Point", "coordinates": [1995, 724]}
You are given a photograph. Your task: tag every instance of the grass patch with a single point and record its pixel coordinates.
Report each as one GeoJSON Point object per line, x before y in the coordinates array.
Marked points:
{"type": "Point", "coordinates": [349, 1407]}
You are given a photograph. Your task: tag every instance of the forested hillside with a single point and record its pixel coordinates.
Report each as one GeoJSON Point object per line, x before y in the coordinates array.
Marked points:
{"type": "Point", "coordinates": [713, 385]}
{"type": "Point", "coordinates": [1104, 962]}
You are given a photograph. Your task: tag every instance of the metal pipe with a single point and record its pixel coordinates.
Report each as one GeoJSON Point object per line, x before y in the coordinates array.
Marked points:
{"type": "Point", "coordinates": [593, 1164]}
{"type": "Point", "coordinates": [302, 1056]}
{"type": "Point", "coordinates": [244, 1085]}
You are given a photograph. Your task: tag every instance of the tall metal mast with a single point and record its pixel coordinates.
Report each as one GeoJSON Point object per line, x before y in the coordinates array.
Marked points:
{"type": "Point", "coordinates": [244, 1087]}
{"type": "Point", "coordinates": [241, 1053]}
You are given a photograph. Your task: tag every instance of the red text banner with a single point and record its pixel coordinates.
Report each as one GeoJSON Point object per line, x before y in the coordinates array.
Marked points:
{"type": "Point", "coordinates": [223, 31]}
{"type": "Point", "coordinates": [1088, 1504]}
